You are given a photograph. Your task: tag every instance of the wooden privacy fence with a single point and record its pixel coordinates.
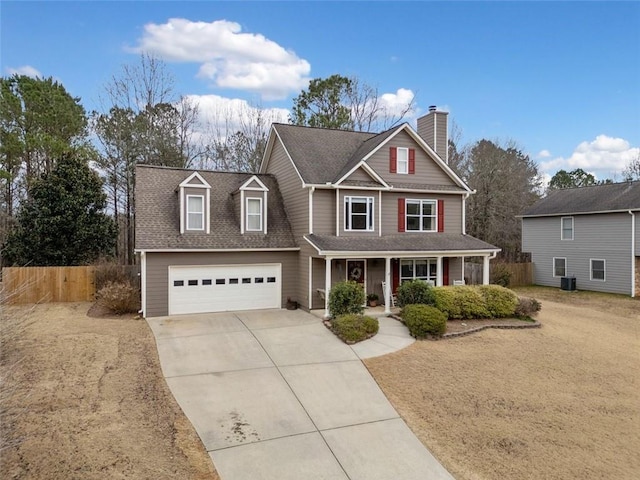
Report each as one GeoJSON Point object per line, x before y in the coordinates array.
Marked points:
{"type": "Point", "coordinates": [48, 284]}
{"type": "Point", "coordinates": [521, 274]}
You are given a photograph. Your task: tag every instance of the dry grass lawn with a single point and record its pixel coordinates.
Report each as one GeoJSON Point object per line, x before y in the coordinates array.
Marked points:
{"type": "Point", "coordinates": [557, 402]}
{"type": "Point", "coordinates": [84, 398]}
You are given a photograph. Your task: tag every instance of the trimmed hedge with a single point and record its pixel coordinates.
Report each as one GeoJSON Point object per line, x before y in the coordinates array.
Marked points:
{"type": "Point", "coordinates": [424, 320]}
{"type": "Point", "coordinates": [413, 292]}
{"type": "Point", "coordinates": [354, 328]}
{"type": "Point", "coordinates": [468, 302]}
{"type": "Point", "coordinates": [346, 297]}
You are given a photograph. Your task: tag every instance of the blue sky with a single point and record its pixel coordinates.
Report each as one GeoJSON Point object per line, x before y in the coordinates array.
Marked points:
{"type": "Point", "coordinates": [560, 78]}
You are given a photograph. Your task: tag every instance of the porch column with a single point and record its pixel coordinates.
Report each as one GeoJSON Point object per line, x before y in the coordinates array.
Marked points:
{"type": "Point", "coordinates": [327, 285]}
{"type": "Point", "coordinates": [387, 282]}
{"type": "Point", "coordinates": [438, 271]}
{"type": "Point", "coordinates": [485, 270]}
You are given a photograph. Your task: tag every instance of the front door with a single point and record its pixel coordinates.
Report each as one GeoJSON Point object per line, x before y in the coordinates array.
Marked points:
{"type": "Point", "coordinates": [356, 271]}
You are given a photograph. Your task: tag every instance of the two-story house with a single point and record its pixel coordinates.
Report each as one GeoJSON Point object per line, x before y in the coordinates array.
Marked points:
{"type": "Point", "coordinates": [590, 233]}
{"type": "Point", "coordinates": [326, 206]}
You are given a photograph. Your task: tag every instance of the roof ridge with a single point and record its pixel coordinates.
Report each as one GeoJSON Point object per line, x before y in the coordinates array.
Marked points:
{"type": "Point", "coordinates": [202, 170]}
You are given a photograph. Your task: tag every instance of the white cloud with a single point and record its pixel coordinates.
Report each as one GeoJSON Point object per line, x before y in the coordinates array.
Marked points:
{"type": "Point", "coordinates": [27, 70]}
{"type": "Point", "coordinates": [229, 57]}
{"type": "Point", "coordinates": [604, 154]}
{"type": "Point", "coordinates": [544, 154]}
{"type": "Point", "coordinates": [219, 115]}
{"type": "Point", "coordinates": [394, 104]}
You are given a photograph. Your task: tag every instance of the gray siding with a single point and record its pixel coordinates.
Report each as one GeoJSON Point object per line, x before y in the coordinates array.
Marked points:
{"type": "Point", "coordinates": [157, 288]}
{"type": "Point", "coordinates": [601, 236]}
{"type": "Point", "coordinates": [455, 269]}
{"type": "Point", "coordinates": [294, 196]}
{"type": "Point", "coordinates": [324, 212]}
{"type": "Point", "coordinates": [361, 176]}
{"type": "Point", "coordinates": [428, 172]}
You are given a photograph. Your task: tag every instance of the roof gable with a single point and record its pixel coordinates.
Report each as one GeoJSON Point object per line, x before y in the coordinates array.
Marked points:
{"type": "Point", "coordinates": [254, 183]}
{"type": "Point", "coordinates": [594, 199]}
{"type": "Point", "coordinates": [194, 180]}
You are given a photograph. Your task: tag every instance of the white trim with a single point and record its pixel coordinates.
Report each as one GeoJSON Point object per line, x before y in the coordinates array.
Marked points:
{"type": "Point", "coordinates": [310, 283]}
{"type": "Point", "coordinates": [264, 210]}
{"type": "Point", "coordinates": [143, 284]}
{"type": "Point", "coordinates": [389, 188]}
{"type": "Point", "coordinates": [215, 250]}
{"type": "Point", "coordinates": [185, 182]}
{"type": "Point", "coordinates": [261, 214]}
{"type": "Point", "coordinates": [562, 219]}
{"type": "Point", "coordinates": [464, 214]}
{"type": "Point", "coordinates": [203, 214]}
{"type": "Point", "coordinates": [182, 211]}
{"type": "Point", "coordinates": [573, 214]}
{"type": "Point", "coordinates": [379, 213]}
{"type": "Point", "coordinates": [327, 285]}
{"type": "Point", "coordinates": [370, 171]}
{"type": "Point", "coordinates": [242, 219]}
{"type": "Point", "coordinates": [604, 268]}
{"type": "Point", "coordinates": [311, 190]}
{"type": "Point", "coordinates": [404, 149]}
{"type": "Point", "coordinates": [337, 212]}
{"type": "Point", "coordinates": [369, 215]}
{"type": "Point", "coordinates": [254, 178]}
{"type": "Point", "coordinates": [553, 267]}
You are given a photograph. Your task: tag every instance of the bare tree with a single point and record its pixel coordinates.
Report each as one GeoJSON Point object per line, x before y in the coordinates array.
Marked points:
{"type": "Point", "coordinates": [368, 110]}
{"type": "Point", "coordinates": [632, 171]}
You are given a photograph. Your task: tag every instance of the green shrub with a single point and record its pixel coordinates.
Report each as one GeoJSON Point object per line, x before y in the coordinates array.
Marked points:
{"type": "Point", "coordinates": [527, 307]}
{"type": "Point", "coordinates": [424, 320]}
{"type": "Point", "coordinates": [500, 301]}
{"type": "Point", "coordinates": [501, 275]}
{"type": "Point", "coordinates": [461, 302]}
{"type": "Point", "coordinates": [119, 297]}
{"type": "Point", "coordinates": [346, 297]}
{"type": "Point", "coordinates": [413, 292]}
{"type": "Point", "coordinates": [354, 328]}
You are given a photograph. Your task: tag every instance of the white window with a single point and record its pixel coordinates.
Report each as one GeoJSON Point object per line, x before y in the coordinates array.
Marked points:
{"type": "Point", "coordinates": [358, 213]}
{"type": "Point", "coordinates": [559, 267]}
{"type": "Point", "coordinates": [422, 269]}
{"type": "Point", "coordinates": [567, 228]}
{"type": "Point", "coordinates": [598, 269]}
{"type": "Point", "coordinates": [195, 212]}
{"type": "Point", "coordinates": [421, 215]}
{"type": "Point", "coordinates": [403, 160]}
{"type": "Point", "coordinates": [254, 214]}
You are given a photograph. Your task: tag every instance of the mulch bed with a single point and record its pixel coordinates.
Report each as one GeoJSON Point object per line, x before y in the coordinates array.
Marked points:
{"type": "Point", "coordinates": [459, 328]}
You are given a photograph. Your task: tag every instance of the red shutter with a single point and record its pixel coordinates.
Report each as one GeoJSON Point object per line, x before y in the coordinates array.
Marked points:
{"type": "Point", "coordinates": [393, 160]}
{"type": "Point", "coordinates": [412, 161]}
{"type": "Point", "coordinates": [401, 214]}
{"type": "Point", "coordinates": [441, 215]}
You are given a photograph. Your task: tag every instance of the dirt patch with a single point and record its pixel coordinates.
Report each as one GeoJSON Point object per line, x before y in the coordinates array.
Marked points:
{"type": "Point", "coordinates": [556, 402]}
{"type": "Point", "coordinates": [88, 400]}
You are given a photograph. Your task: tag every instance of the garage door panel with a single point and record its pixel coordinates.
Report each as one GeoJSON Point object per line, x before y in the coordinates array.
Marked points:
{"type": "Point", "coordinates": [219, 288]}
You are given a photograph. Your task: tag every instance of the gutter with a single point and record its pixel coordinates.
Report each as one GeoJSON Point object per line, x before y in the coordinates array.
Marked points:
{"type": "Point", "coordinates": [633, 253]}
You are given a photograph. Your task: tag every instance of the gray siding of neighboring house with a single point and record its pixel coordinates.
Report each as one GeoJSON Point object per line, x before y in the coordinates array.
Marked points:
{"type": "Point", "coordinates": [428, 172]}
{"type": "Point", "coordinates": [598, 236]}
{"type": "Point", "coordinates": [157, 288]}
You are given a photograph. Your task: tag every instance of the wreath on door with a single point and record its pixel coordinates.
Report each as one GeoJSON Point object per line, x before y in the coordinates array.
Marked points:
{"type": "Point", "coordinates": [356, 273]}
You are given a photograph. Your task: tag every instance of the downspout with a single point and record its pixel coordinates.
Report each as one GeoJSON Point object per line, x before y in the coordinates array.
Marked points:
{"type": "Point", "coordinates": [633, 253]}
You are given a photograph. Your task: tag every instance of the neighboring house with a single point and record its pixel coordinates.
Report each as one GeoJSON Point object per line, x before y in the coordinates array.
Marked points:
{"type": "Point", "coordinates": [590, 233]}
{"type": "Point", "coordinates": [327, 205]}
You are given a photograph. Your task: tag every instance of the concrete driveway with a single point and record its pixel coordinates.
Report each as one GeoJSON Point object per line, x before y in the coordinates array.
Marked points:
{"type": "Point", "coordinates": [275, 395]}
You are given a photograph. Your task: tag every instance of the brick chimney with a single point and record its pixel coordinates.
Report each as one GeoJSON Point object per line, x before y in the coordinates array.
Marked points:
{"type": "Point", "coordinates": [433, 129]}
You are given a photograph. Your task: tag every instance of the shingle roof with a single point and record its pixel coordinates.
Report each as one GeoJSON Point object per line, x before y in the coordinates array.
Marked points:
{"type": "Point", "coordinates": [158, 216]}
{"type": "Point", "coordinates": [320, 153]}
{"type": "Point", "coordinates": [367, 147]}
{"type": "Point", "coordinates": [598, 198]}
{"type": "Point", "coordinates": [439, 242]}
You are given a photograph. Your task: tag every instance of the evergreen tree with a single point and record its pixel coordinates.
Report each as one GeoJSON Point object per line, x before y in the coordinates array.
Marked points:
{"type": "Point", "coordinates": [62, 221]}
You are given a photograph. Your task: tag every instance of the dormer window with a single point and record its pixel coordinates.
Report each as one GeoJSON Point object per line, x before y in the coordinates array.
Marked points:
{"type": "Point", "coordinates": [254, 214]}
{"type": "Point", "coordinates": [195, 194]}
{"type": "Point", "coordinates": [253, 195]}
{"type": "Point", "coordinates": [195, 212]}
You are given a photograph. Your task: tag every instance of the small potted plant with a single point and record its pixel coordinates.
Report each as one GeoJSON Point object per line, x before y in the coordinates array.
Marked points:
{"type": "Point", "coordinates": [372, 298]}
{"type": "Point", "coordinates": [291, 304]}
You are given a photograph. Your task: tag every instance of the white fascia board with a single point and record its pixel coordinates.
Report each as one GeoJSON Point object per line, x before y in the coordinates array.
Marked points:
{"type": "Point", "coordinates": [406, 254]}
{"type": "Point", "coordinates": [215, 250]}
{"type": "Point", "coordinates": [186, 183]}
{"type": "Point", "coordinates": [372, 173]}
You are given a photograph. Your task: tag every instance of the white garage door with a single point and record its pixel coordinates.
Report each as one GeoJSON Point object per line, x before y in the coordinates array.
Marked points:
{"type": "Point", "coordinates": [222, 288]}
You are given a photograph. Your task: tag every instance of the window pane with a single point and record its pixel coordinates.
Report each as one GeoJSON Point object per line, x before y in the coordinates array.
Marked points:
{"type": "Point", "coordinates": [233, 281]}
{"type": "Point", "coordinates": [253, 222]}
{"type": "Point", "coordinates": [406, 269]}
{"type": "Point", "coordinates": [560, 267]}
{"type": "Point", "coordinates": [427, 208]}
{"type": "Point", "coordinates": [403, 160]}
{"type": "Point", "coordinates": [358, 207]}
{"type": "Point", "coordinates": [194, 204]}
{"type": "Point", "coordinates": [193, 282]}
{"type": "Point", "coordinates": [178, 283]}
{"type": "Point", "coordinates": [246, 280]}
{"type": "Point", "coordinates": [413, 223]}
{"type": "Point", "coordinates": [413, 208]}
{"type": "Point", "coordinates": [253, 206]}
{"type": "Point", "coordinates": [359, 222]}
{"type": "Point", "coordinates": [428, 223]}
{"type": "Point", "coordinates": [271, 279]}
{"type": "Point", "coordinates": [597, 269]}
{"type": "Point", "coordinates": [219, 281]}
{"type": "Point", "coordinates": [421, 268]}
{"type": "Point", "coordinates": [206, 282]}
